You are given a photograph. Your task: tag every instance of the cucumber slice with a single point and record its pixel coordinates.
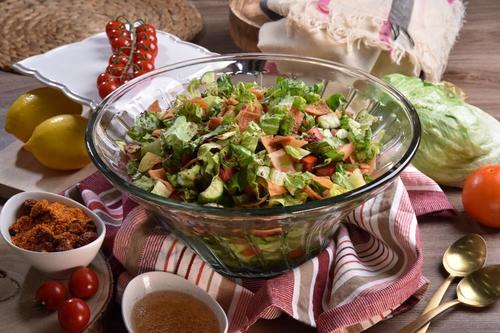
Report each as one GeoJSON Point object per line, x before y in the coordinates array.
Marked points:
{"type": "Point", "coordinates": [161, 189]}
{"type": "Point", "coordinates": [356, 179]}
{"type": "Point", "coordinates": [213, 193]}
{"type": "Point", "coordinates": [148, 161]}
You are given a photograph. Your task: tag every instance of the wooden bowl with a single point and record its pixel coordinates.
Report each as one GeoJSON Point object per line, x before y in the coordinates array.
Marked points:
{"type": "Point", "coordinates": [245, 19]}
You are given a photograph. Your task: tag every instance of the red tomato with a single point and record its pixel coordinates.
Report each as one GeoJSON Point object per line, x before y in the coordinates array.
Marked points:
{"type": "Point", "coordinates": [107, 87]}
{"type": "Point", "coordinates": [115, 33]}
{"type": "Point", "coordinates": [115, 69]}
{"type": "Point", "coordinates": [145, 36]}
{"type": "Point", "coordinates": [481, 195]}
{"type": "Point", "coordinates": [147, 28]}
{"type": "Point", "coordinates": [225, 174]}
{"type": "Point", "coordinates": [139, 73]}
{"type": "Point", "coordinates": [51, 294]}
{"type": "Point", "coordinates": [147, 45]}
{"type": "Point", "coordinates": [309, 162]}
{"type": "Point", "coordinates": [114, 25]}
{"type": "Point", "coordinates": [143, 65]}
{"type": "Point", "coordinates": [326, 170]}
{"type": "Point", "coordinates": [118, 59]}
{"type": "Point", "coordinates": [127, 77]}
{"type": "Point", "coordinates": [73, 315]}
{"type": "Point", "coordinates": [103, 77]}
{"type": "Point", "coordinates": [121, 43]}
{"type": "Point", "coordinates": [83, 283]}
{"type": "Point", "coordinates": [142, 55]}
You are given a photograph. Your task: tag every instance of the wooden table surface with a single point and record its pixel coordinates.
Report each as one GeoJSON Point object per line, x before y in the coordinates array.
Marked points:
{"type": "Point", "coordinates": [474, 65]}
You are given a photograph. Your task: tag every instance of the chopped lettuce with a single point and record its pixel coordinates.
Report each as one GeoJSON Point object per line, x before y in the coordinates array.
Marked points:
{"type": "Point", "coordinates": [213, 155]}
{"type": "Point", "coordinates": [296, 153]}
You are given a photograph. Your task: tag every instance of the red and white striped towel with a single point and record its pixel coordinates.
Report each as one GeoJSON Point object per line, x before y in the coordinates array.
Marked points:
{"type": "Point", "coordinates": [371, 270]}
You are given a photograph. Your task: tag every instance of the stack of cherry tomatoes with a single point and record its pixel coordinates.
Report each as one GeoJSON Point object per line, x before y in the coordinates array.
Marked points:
{"type": "Point", "coordinates": [134, 47]}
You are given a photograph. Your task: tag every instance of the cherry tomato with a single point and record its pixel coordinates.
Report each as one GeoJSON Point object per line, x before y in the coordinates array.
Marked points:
{"type": "Point", "coordinates": [103, 77]}
{"type": "Point", "coordinates": [145, 36]}
{"type": "Point", "coordinates": [120, 43]}
{"type": "Point", "coordinates": [142, 55]}
{"type": "Point", "coordinates": [139, 73]}
{"type": "Point", "coordinates": [107, 87]}
{"type": "Point", "coordinates": [119, 33]}
{"type": "Point", "coordinates": [114, 25]}
{"type": "Point", "coordinates": [147, 28]}
{"type": "Point", "coordinates": [83, 283]}
{"type": "Point", "coordinates": [115, 69]}
{"type": "Point", "coordinates": [481, 195]}
{"type": "Point", "coordinates": [118, 59]}
{"type": "Point", "coordinates": [73, 315]}
{"type": "Point", "coordinates": [127, 77]}
{"type": "Point", "coordinates": [147, 45]}
{"type": "Point", "coordinates": [143, 65]}
{"type": "Point", "coordinates": [51, 294]}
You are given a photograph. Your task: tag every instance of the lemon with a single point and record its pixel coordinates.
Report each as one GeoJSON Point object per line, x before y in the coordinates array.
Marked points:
{"type": "Point", "coordinates": [33, 107]}
{"type": "Point", "coordinates": [59, 142]}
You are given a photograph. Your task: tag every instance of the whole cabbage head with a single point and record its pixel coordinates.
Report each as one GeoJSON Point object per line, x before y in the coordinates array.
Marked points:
{"type": "Point", "coordinates": [456, 137]}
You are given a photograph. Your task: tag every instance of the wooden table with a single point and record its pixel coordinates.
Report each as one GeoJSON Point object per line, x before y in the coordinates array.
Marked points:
{"type": "Point", "coordinates": [474, 65]}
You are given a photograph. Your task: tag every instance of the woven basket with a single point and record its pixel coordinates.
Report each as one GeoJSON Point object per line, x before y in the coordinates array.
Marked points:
{"type": "Point", "coordinates": [31, 27]}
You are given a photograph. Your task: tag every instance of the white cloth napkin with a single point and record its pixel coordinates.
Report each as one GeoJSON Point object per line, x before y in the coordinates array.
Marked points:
{"type": "Point", "coordinates": [378, 36]}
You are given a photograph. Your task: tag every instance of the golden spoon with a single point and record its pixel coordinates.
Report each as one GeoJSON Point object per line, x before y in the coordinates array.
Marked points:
{"type": "Point", "coordinates": [463, 257]}
{"type": "Point", "coordinates": [478, 289]}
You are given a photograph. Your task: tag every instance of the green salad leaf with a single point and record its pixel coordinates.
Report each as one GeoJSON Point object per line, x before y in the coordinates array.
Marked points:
{"type": "Point", "coordinates": [456, 138]}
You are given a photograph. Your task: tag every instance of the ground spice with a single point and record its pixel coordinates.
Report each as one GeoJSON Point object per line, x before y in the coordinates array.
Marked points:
{"type": "Point", "coordinates": [50, 227]}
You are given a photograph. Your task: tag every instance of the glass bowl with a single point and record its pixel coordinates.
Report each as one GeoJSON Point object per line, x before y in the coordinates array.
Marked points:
{"type": "Point", "coordinates": [255, 242]}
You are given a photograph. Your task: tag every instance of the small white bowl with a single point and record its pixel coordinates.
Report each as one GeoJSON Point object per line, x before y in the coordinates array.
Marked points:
{"type": "Point", "coordinates": [150, 282]}
{"type": "Point", "coordinates": [51, 263]}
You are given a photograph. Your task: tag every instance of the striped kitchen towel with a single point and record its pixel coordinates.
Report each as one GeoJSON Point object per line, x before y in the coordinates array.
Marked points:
{"type": "Point", "coordinates": [371, 270]}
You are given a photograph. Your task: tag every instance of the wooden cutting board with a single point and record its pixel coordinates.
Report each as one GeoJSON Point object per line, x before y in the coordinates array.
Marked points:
{"type": "Point", "coordinates": [20, 171]}
{"type": "Point", "coordinates": [18, 285]}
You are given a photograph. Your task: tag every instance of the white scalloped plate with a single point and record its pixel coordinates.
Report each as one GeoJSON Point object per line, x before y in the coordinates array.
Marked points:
{"type": "Point", "coordinates": [74, 68]}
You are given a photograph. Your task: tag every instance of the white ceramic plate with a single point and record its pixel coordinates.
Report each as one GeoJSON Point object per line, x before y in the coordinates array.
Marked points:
{"type": "Point", "coordinates": [74, 68]}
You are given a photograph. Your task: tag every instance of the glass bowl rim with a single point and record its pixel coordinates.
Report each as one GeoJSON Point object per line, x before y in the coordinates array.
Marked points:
{"type": "Point", "coordinates": [238, 211]}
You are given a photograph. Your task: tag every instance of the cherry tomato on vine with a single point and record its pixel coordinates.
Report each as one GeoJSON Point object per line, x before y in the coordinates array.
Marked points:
{"type": "Point", "coordinates": [118, 59]}
{"type": "Point", "coordinates": [147, 28]}
{"type": "Point", "coordinates": [114, 25]}
{"type": "Point", "coordinates": [142, 55]}
{"type": "Point", "coordinates": [107, 87]}
{"type": "Point", "coordinates": [481, 195]}
{"type": "Point", "coordinates": [73, 315]}
{"type": "Point", "coordinates": [115, 69]}
{"type": "Point", "coordinates": [144, 36]}
{"type": "Point", "coordinates": [103, 77]}
{"type": "Point", "coordinates": [143, 65]}
{"type": "Point", "coordinates": [149, 46]}
{"type": "Point", "coordinates": [139, 73]}
{"type": "Point", "coordinates": [126, 78]}
{"type": "Point", "coordinates": [121, 43]}
{"type": "Point", "coordinates": [83, 283]}
{"type": "Point", "coordinates": [115, 33]}
{"type": "Point", "coordinates": [51, 294]}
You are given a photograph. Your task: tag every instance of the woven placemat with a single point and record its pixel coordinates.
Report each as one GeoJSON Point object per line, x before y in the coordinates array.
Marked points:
{"type": "Point", "coordinates": [31, 27]}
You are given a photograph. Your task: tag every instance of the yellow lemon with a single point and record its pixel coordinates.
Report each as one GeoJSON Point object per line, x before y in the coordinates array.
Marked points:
{"type": "Point", "coordinates": [33, 107]}
{"type": "Point", "coordinates": [59, 142]}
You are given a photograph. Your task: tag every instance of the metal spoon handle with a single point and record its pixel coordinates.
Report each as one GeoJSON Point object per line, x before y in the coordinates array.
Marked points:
{"type": "Point", "coordinates": [426, 317]}
{"type": "Point", "coordinates": [436, 299]}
